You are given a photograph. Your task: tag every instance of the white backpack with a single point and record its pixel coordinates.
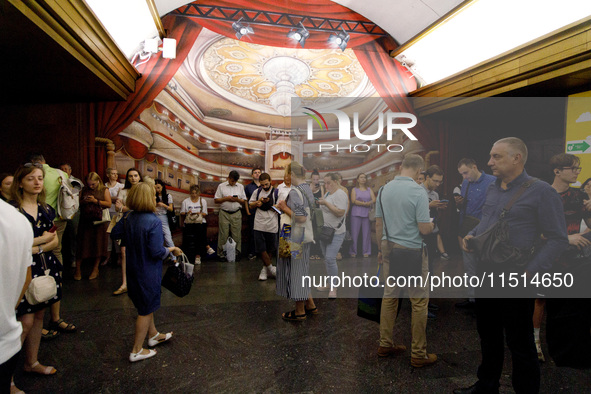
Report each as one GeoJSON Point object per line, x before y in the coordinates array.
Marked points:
{"type": "Point", "coordinates": [68, 198]}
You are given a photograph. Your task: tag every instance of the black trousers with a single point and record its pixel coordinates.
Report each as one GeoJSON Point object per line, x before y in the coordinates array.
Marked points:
{"type": "Point", "coordinates": [510, 319]}
{"type": "Point", "coordinates": [6, 371]}
{"type": "Point", "coordinates": [194, 240]}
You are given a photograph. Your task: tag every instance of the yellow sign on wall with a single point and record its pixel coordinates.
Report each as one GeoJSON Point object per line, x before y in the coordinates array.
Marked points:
{"type": "Point", "coordinates": [578, 132]}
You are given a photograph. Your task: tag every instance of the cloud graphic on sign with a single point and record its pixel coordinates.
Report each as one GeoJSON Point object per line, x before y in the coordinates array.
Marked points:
{"type": "Point", "coordinates": [586, 117]}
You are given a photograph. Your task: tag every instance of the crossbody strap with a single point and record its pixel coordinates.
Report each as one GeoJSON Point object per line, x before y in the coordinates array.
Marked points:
{"type": "Point", "coordinates": [524, 186]}
{"type": "Point", "coordinates": [382, 210]}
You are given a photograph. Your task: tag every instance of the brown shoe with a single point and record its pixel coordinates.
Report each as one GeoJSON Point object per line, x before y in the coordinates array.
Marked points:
{"type": "Point", "coordinates": [429, 359]}
{"type": "Point", "coordinates": [390, 351]}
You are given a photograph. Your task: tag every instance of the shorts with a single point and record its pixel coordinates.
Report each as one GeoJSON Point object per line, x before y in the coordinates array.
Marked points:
{"type": "Point", "coordinates": [265, 242]}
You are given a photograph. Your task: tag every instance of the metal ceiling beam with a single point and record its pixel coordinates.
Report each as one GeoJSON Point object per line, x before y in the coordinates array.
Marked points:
{"type": "Point", "coordinates": [266, 18]}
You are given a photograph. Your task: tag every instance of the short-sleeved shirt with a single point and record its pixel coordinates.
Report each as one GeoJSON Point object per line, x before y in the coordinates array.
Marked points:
{"type": "Point", "coordinates": [574, 209]}
{"type": "Point", "coordinates": [403, 204]}
{"type": "Point", "coordinates": [188, 206]}
{"type": "Point", "coordinates": [52, 185]}
{"type": "Point", "coordinates": [162, 210]}
{"type": "Point", "coordinates": [265, 221]}
{"type": "Point", "coordinates": [114, 191]}
{"type": "Point", "coordinates": [340, 200]}
{"type": "Point", "coordinates": [283, 191]}
{"type": "Point", "coordinates": [225, 190]}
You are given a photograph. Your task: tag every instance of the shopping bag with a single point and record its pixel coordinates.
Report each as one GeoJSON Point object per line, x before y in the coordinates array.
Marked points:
{"type": "Point", "coordinates": [230, 249]}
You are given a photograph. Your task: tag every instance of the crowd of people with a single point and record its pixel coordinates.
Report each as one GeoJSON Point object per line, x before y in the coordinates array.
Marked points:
{"type": "Point", "coordinates": [136, 233]}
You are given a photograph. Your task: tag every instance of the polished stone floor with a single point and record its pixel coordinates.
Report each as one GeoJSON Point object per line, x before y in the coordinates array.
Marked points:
{"type": "Point", "coordinates": [229, 337]}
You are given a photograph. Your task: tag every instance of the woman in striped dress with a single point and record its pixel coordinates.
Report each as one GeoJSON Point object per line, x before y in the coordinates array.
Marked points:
{"type": "Point", "coordinates": [291, 270]}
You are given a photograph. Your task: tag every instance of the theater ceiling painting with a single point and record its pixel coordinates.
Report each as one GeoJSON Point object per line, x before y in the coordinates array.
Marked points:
{"type": "Point", "coordinates": [230, 99]}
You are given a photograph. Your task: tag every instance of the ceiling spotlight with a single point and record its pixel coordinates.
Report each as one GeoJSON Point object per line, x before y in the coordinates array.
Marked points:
{"type": "Point", "coordinates": [299, 35]}
{"type": "Point", "coordinates": [340, 39]}
{"type": "Point", "coordinates": [241, 30]}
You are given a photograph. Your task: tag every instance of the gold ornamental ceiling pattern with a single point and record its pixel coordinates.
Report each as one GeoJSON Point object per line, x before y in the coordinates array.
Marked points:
{"type": "Point", "coordinates": [238, 67]}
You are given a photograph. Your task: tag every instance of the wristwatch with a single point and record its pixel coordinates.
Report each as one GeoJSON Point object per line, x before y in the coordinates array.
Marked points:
{"type": "Point", "coordinates": [40, 249]}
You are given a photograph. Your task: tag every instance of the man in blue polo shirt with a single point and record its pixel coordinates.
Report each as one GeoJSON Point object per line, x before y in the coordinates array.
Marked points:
{"type": "Point", "coordinates": [470, 202]}
{"type": "Point", "coordinates": [402, 216]}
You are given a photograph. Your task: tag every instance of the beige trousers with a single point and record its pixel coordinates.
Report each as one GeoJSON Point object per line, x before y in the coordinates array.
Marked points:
{"type": "Point", "coordinates": [419, 299]}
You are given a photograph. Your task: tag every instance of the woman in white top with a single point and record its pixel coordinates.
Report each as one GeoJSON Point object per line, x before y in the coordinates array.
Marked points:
{"type": "Point", "coordinates": [114, 187]}
{"type": "Point", "coordinates": [133, 177]}
{"type": "Point", "coordinates": [164, 205]}
{"type": "Point", "coordinates": [334, 207]}
{"type": "Point", "coordinates": [193, 212]}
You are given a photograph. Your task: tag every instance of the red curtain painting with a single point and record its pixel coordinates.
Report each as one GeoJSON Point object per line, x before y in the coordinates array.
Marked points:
{"type": "Point", "coordinates": [107, 119]}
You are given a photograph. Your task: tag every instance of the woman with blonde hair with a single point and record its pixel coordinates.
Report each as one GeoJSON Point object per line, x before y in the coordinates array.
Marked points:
{"type": "Point", "coordinates": [292, 270]}
{"type": "Point", "coordinates": [141, 233]}
{"type": "Point", "coordinates": [92, 239]}
{"type": "Point", "coordinates": [29, 198]}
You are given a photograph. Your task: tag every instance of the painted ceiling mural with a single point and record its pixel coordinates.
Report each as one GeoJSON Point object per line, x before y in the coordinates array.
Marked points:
{"type": "Point", "coordinates": [230, 99]}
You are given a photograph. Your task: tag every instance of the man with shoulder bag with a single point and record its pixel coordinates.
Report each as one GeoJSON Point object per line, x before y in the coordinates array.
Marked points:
{"type": "Point", "coordinates": [470, 202]}
{"type": "Point", "coordinates": [402, 216]}
{"type": "Point", "coordinates": [517, 210]}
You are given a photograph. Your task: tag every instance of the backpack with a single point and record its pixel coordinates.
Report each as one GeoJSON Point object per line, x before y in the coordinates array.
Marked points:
{"type": "Point", "coordinates": [315, 214]}
{"type": "Point", "coordinates": [68, 197]}
{"type": "Point", "coordinates": [274, 193]}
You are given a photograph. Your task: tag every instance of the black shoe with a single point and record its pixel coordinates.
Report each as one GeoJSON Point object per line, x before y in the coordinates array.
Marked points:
{"type": "Point", "coordinates": [466, 304]}
{"type": "Point", "coordinates": [433, 307]}
{"type": "Point", "coordinates": [431, 315]}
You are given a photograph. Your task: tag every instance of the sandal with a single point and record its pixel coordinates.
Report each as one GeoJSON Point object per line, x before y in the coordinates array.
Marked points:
{"type": "Point", "coordinates": [15, 390]}
{"type": "Point", "coordinates": [291, 316]}
{"type": "Point", "coordinates": [57, 326]}
{"type": "Point", "coordinates": [313, 311]}
{"type": "Point", "coordinates": [120, 290]}
{"type": "Point", "coordinates": [49, 335]}
{"type": "Point", "coordinates": [40, 369]}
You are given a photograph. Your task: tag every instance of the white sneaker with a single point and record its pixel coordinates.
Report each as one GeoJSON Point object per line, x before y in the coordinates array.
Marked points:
{"type": "Point", "coordinates": [210, 251]}
{"type": "Point", "coordinates": [197, 260]}
{"type": "Point", "coordinates": [263, 274]}
{"type": "Point", "coordinates": [332, 294]}
{"type": "Point", "coordinates": [271, 271]}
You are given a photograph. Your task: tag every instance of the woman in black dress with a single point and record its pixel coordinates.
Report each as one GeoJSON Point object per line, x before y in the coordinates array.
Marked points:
{"type": "Point", "coordinates": [29, 198]}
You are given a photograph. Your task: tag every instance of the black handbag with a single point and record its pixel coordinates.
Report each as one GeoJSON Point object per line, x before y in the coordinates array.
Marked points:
{"type": "Point", "coordinates": [177, 279]}
{"type": "Point", "coordinates": [494, 246]}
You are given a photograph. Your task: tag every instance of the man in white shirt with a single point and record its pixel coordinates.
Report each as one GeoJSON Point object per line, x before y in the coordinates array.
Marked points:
{"type": "Point", "coordinates": [284, 187]}
{"type": "Point", "coordinates": [266, 223]}
{"type": "Point", "coordinates": [16, 240]}
{"type": "Point", "coordinates": [230, 195]}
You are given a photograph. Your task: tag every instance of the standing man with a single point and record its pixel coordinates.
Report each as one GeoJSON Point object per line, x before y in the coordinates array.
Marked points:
{"type": "Point", "coordinates": [230, 195]}
{"type": "Point", "coordinates": [248, 190]}
{"type": "Point", "coordinates": [537, 211]}
{"type": "Point", "coordinates": [402, 215]}
{"type": "Point", "coordinates": [470, 202]}
{"type": "Point", "coordinates": [266, 224]}
{"type": "Point", "coordinates": [433, 179]}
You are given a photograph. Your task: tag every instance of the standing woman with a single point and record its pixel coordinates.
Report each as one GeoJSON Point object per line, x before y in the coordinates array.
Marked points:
{"type": "Point", "coordinates": [292, 270]}
{"type": "Point", "coordinates": [193, 212]}
{"type": "Point", "coordinates": [133, 177]}
{"type": "Point", "coordinates": [141, 232]}
{"type": "Point", "coordinates": [29, 198]}
{"type": "Point", "coordinates": [91, 241]}
{"type": "Point", "coordinates": [361, 198]}
{"type": "Point", "coordinates": [334, 207]}
{"type": "Point", "coordinates": [164, 205]}
{"type": "Point", "coordinates": [5, 184]}
{"type": "Point", "coordinates": [114, 187]}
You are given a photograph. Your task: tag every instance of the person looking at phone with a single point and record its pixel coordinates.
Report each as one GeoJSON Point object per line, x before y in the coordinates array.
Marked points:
{"type": "Point", "coordinates": [266, 224]}
{"type": "Point", "coordinates": [230, 195]}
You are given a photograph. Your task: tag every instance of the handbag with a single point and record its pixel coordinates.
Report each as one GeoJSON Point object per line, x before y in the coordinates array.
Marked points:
{"type": "Point", "coordinates": [105, 217]}
{"type": "Point", "coordinates": [327, 233]}
{"type": "Point", "coordinates": [91, 211]}
{"type": "Point", "coordinates": [42, 288]}
{"type": "Point", "coordinates": [493, 245]}
{"type": "Point", "coordinates": [179, 277]}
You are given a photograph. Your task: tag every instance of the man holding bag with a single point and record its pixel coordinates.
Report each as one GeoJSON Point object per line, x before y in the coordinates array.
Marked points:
{"type": "Point", "coordinates": [470, 202]}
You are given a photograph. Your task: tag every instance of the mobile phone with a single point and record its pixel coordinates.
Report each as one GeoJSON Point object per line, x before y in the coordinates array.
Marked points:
{"type": "Point", "coordinates": [277, 210]}
{"type": "Point", "coordinates": [235, 195]}
{"type": "Point", "coordinates": [444, 201]}
{"type": "Point", "coordinates": [53, 229]}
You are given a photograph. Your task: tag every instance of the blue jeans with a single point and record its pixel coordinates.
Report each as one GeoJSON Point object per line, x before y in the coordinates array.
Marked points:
{"type": "Point", "coordinates": [167, 234]}
{"type": "Point", "coordinates": [330, 252]}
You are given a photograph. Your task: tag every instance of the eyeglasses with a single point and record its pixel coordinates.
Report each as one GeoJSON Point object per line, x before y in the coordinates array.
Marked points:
{"type": "Point", "coordinates": [29, 165]}
{"type": "Point", "coordinates": [574, 169]}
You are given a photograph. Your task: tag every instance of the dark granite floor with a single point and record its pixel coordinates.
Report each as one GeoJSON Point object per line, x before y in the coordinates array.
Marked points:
{"type": "Point", "coordinates": [229, 337]}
